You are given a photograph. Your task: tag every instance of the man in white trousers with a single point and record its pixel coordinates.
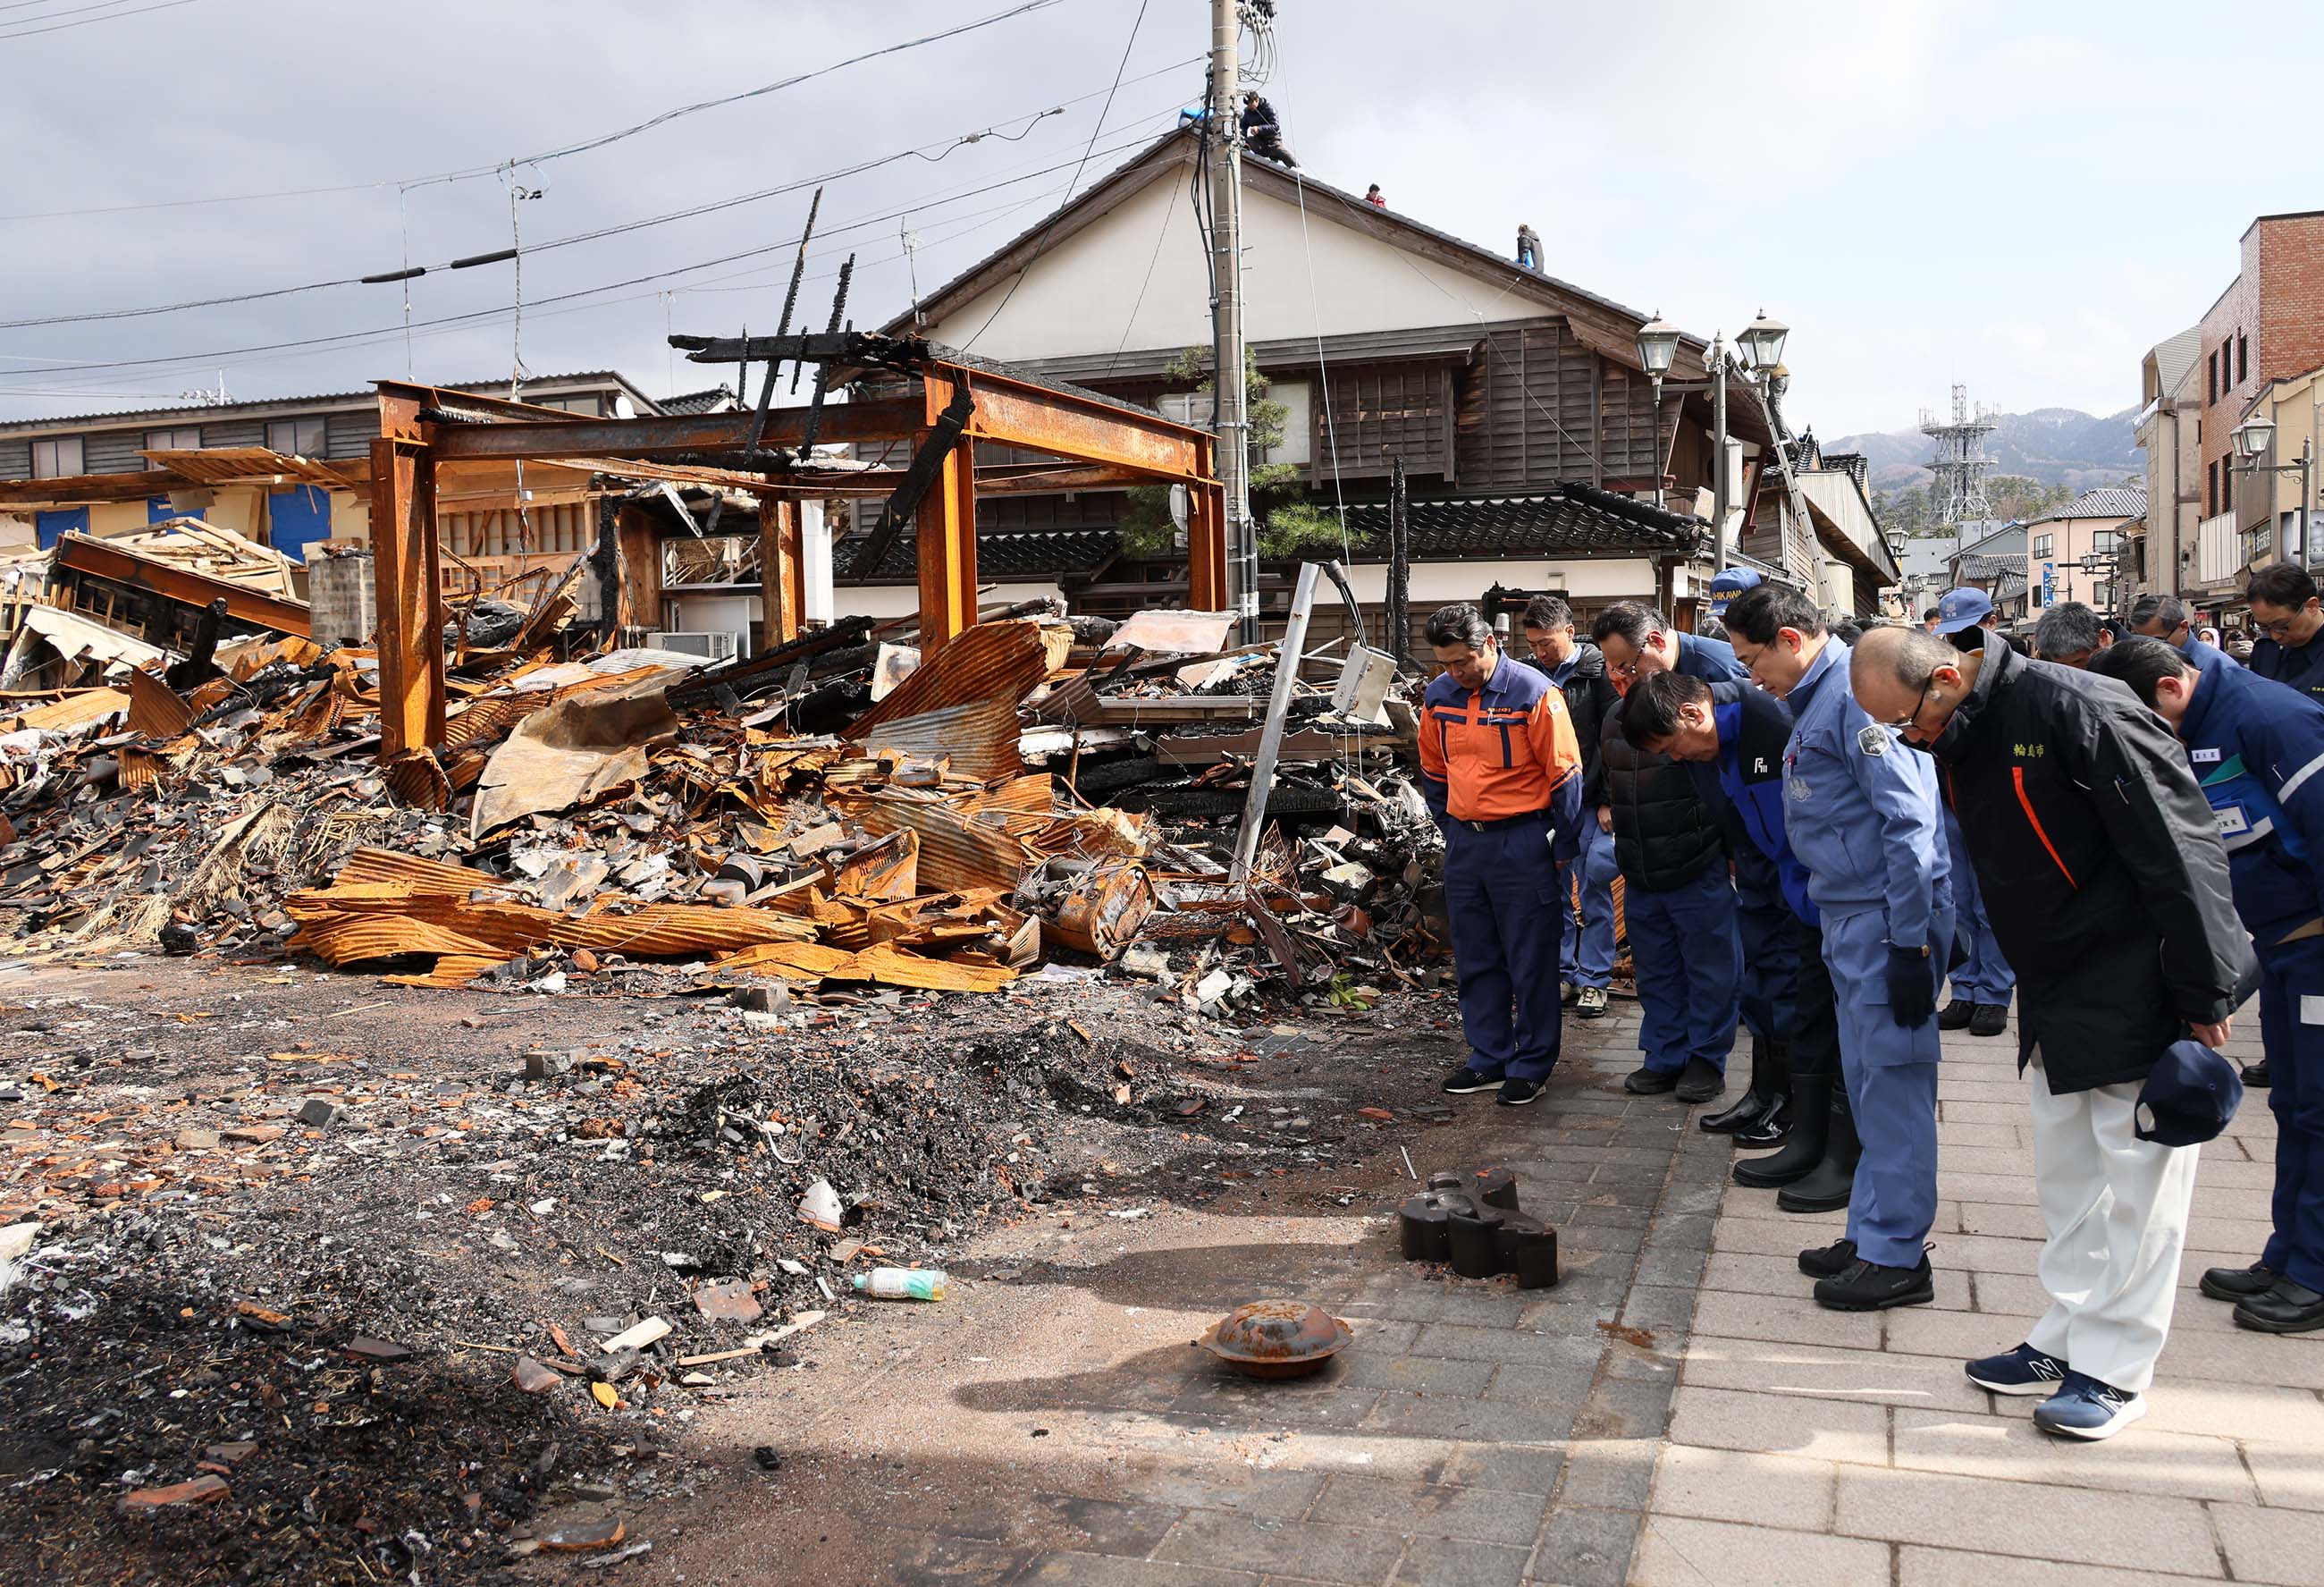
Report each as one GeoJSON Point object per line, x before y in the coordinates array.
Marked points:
{"type": "Point", "coordinates": [2112, 903]}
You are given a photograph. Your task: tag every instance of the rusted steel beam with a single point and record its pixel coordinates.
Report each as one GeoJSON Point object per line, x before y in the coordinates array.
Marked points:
{"type": "Point", "coordinates": [945, 525]}
{"type": "Point", "coordinates": [411, 596]}
{"type": "Point", "coordinates": [782, 570]}
{"type": "Point", "coordinates": [195, 589]}
{"type": "Point", "coordinates": [1206, 542]}
{"type": "Point", "coordinates": [900, 419]}
{"type": "Point", "coordinates": [1019, 413]}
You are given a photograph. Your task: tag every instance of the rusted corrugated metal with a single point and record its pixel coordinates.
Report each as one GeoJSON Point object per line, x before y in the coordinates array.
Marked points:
{"type": "Point", "coordinates": [991, 661]}
{"type": "Point", "coordinates": [980, 738]}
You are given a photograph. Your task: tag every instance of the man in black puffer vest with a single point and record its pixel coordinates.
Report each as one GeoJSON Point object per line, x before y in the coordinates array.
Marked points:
{"type": "Point", "coordinates": [1678, 910]}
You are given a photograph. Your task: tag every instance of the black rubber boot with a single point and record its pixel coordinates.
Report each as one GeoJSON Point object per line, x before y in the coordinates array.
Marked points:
{"type": "Point", "coordinates": [1827, 1188]}
{"type": "Point", "coordinates": [1811, 1128]}
{"type": "Point", "coordinates": [1755, 1104]}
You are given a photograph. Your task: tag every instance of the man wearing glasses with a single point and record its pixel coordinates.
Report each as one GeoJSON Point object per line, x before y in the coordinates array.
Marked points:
{"type": "Point", "coordinates": [2088, 830]}
{"type": "Point", "coordinates": [1860, 813]}
{"type": "Point", "coordinates": [2283, 608]}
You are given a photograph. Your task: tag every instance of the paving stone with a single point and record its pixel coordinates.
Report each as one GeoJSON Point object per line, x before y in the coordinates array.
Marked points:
{"type": "Point", "coordinates": [1430, 1510]}
{"type": "Point", "coordinates": [1419, 1374]}
{"type": "Point", "coordinates": [1283, 1495]}
{"type": "Point", "coordinates": [1561, 1385]}
{"type": "Point", "coordinates": [2274, 1545]}
{"type": "Point", "coordinates": [1728, 1485]}
{"type": "Point", "coordinates": [1676, 1552]}
{"type": "Point", "coordinates": [1090, 1570]}
{"type": "Point", "coordinates": [1109, 1525]}
{"type": "Point", "coordinates": [1511, 1468]}
{"type": "Point", "coordinates": [1587, 1547]}
{"type": "Point", "coordinates": [1785, 1321]}
{"type": "Point", "coordinates": [1830, 1375]}
{"type": "Point", "coordinates": [1659, 1309]}
{"type": "Point", "coordinates": [1780, 1423]}
{"type": "Point", "coordinates": [1522, 1346]}
{"type": "Point", "coordinates": [1467, 1420]}
{"type": "Point", "coordinates": [1946, 1567]}
{"type": "Point", "coordinates": [1999, 1447]}
{"type": "Point", "coordinates": [1609, 1473]}
{"type": "Point", "coordinates": [1297, 1548]}
{"type": "Point", "coordinates": [2294, 1360]}
{"type": "Point", "coordinates": [1446, 1562]}
{"type": "Point", "coordinates": [1961, 1335]}
{"type": "Point", "coordinates": [2131, 1530]}
{"type": "Point", "coordinates": [1626, 1407]}
{"type": "Point", "coordinates": [2291, 1476]}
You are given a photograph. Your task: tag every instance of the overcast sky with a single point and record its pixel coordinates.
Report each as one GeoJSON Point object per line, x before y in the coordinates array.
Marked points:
{"type": "Point", "coordinates": [2021, 197]}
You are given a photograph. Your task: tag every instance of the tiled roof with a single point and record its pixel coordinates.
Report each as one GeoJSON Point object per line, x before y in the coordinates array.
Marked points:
{"type": "Point", "coordinates": [211, 412]}
{"type": "Point", "coordinates": [1572, 518]}
{"type": "Point", "coordinates": [2105, 502]}
{"type": "Point", "coordinates": [1010, 554]}
{"type": "Point", "coordinates": [713, 400]}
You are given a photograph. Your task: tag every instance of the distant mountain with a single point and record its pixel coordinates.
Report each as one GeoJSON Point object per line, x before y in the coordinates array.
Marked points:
{"type": "Point", "coordinates": [2051, 446]}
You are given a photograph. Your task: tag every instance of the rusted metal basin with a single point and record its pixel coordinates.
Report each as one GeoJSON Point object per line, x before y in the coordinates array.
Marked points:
{"type": "Point", "coordinates": [1277, 1338]}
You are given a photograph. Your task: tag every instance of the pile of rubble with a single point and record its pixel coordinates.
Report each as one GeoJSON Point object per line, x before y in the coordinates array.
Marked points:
{"type": "Point", "coordinates": [831, 813]}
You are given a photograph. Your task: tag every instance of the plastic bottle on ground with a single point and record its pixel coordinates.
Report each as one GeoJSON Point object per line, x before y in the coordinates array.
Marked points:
{"type": "Point", "coordinates": [902, 1284]}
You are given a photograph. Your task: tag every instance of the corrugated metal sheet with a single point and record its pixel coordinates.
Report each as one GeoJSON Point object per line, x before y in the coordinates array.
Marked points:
{"type": "Point", "coordinates": [980, 738]}
{"type": "Point", "coordinates": [991, 661]}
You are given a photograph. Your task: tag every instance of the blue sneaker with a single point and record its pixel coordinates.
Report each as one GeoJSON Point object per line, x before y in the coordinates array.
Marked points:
{"type": "Point", "coordinates": [2088, 1408]}
{"type": "Point", "coordinates": [2023, 1371]}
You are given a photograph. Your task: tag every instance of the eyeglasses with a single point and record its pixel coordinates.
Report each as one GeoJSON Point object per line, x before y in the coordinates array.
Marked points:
{"type": "Point", "coordinates": [1912, 718]}
{"type": "Point", "coordinates": [2280, 628]}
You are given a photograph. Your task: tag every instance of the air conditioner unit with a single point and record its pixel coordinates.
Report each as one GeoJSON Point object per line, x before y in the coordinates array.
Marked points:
{"type": "Point", "coordinates": [710, 647]}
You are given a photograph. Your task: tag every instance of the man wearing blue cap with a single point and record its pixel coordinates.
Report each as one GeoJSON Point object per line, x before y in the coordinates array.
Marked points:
{"type": "Point", "coordinates": [1983, 981]}
{"type": "Point", "coordinates": [2084, 823]}
{"type": "Point", "coordinates": [1729, 582]}
{"type": "Point", "coordinates": [2257, 747]}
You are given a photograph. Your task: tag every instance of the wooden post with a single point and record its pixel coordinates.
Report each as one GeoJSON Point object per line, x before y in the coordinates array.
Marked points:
{"type": "Point", "coordinates": [640, 553]}
{"type": "Point", "coordinates": [782, 569]}
{"type": "Point", "coordinates": [945, 526]}
{"type": "Point", "coordinates": [411, 596]}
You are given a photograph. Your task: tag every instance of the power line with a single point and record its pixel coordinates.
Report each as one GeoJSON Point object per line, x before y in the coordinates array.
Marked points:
{"type": "Point", "coordinates": [466, 173]}
{"type": "Point", "coordinates": [389, 332]}
{"type": "Point", "coordinates": [87, 21]}
{"type": "Point", "coordinates": [407, 271]}
{"type": "Point", "coordinates": [1042, 245]}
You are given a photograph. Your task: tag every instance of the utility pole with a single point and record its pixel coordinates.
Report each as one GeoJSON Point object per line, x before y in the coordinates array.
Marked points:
{"type": "Point", "coordinates": [1720, 504]}
{"type": "Point", "coordinates": [1230, 416]}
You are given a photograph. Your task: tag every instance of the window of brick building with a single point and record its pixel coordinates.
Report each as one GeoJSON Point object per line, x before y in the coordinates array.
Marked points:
{"type": "Point", "coordinates": [2211, 379]}
{"type": "Point", "coordinates": [2211, 490]}
{"type": "Point", "coordinates": [2243, 357]}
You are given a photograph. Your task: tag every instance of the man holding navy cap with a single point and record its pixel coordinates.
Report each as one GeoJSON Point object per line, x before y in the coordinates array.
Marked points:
{"type": "Point", "coordinates": [2092, 837]}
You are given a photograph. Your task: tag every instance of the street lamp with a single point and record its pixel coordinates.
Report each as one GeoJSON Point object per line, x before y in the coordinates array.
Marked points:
{"type": "Point", "coordinates": [1657, 345]}
{"type": "Point", "coordinates": [2254, 438]}
{"type": "Point", "coordinates": [1761, 345]}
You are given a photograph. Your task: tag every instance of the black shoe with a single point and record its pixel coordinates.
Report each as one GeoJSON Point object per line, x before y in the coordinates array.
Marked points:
{"type": "Point", "coordinates": [1516, 1094]}
{"type": "Point", "coordinates": [1810, 1128]}
{"type": "Point", "coordinates": [2255, 1074]}
{"type": "Point", "coordinates": [2288, 1307]}
{"type": "Point", "coordinates": [1989, 1019]}
{"type": "Point", "coordinates": [1756, 1104]}
{"type": "Point", "coordinates": [1700, 1082]}
{"type": "Point", "coordinates": [2235, 1284]}
{"type": "Point", "coordinates": [1829, 1262]}
{"type": "Point", "coordinates": [1956, 1014]}
{"type": "Point", "coordinates": [1827, 1186]}
{"type": "Point", "coordinates": [1649, 1082]}
{"type": "Point", "coordinates": [1464, 1080]}
{"type": "Point", "coordinates": [1868, 1287]}
{"type": "Point", "coordinates": [1771, 1129]}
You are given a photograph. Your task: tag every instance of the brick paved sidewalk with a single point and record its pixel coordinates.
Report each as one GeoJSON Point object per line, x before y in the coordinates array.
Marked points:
{"type": "Point", "coordinates": [1811, 1446]}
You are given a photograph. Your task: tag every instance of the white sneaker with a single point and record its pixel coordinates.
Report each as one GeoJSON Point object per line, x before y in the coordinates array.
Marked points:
{"type": "Point", "coordinates": [1567, 992]}
{"type": "Point", "coordinates": [1591, 1003]}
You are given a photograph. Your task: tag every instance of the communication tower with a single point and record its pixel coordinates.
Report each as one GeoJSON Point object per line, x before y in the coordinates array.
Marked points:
{"type": "Point", "coordinates": [1957, 491]}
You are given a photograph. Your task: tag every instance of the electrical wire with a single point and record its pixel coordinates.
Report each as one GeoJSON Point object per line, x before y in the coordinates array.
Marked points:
{"type": "Point", "coordinates": [92, 21]}
{"type": "Point", "coordinates": [1041, 246]}
{"type": "Point", "coordinates": [466, 173]}
{"type": "Point", "coordinates": [1169, 213]}
{"type": "Point", "coordinates": [405, 271]}
{"type": "Point", "coordinates": [359, 338]}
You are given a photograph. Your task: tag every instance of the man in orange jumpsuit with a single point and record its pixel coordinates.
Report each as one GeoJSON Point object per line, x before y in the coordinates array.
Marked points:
{"type": "Point", "coordinates": [1501, 771]}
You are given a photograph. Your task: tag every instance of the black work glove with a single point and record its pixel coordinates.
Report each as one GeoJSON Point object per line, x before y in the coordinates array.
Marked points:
{"type": "Point", "coordinates": [1912, 989]}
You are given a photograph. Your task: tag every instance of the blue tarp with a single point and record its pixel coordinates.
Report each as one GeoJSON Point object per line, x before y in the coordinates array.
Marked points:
{"type": "Point", "coordinates": [47, 526]}
{"type": "Point", "coordinates": [297, 518]}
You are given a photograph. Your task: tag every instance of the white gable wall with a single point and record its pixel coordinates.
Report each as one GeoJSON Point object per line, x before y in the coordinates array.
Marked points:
{"type": "Point", "coordinates": [1079, 296]}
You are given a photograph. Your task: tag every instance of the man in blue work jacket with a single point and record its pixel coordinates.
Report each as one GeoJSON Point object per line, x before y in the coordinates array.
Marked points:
{"type": "Point", "coordinates": [2258, 748]}
{"type": "Point", "coordinates": [1638, 642]}
{"type": "Point", "coordinates": [1860, 812]}
{"type": "Point", "coordinates": [1983, 980]}
{"type": "Point", "coordinates": [1500, 770]}
{"type": "Point", "coordinates": [1733, 735]}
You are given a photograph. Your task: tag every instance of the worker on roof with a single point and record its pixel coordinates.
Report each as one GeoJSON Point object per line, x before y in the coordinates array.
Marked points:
{"type": "Point", "coordinates": [1372, 196]}
{"type": "Point", "coordinates": [1501, 772]}
{"type": "Point", "coordinates": [1529, 247]}
{"type": "Point", "coordinates": [1262, 134]}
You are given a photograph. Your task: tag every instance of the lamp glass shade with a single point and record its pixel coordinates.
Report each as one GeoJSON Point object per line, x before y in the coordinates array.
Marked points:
{"type": "Point", "coordinates": [2253, 435]}
{"type": "Point", "coordinates": [1762, 342]}
{"type": "Point", "coordinates": [1657, 345]}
